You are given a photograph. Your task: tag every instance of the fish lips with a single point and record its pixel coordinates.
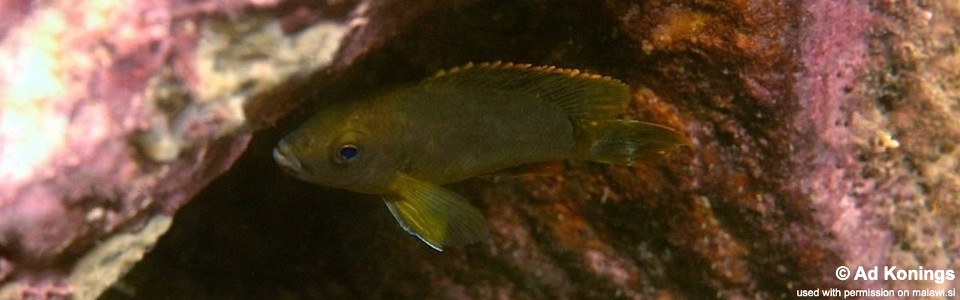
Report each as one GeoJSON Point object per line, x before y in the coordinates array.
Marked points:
{"type": "Point", "coordinates": [287, 161]}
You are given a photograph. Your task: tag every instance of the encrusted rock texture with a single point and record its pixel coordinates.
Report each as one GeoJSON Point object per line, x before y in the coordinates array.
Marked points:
{"type": "Point", "coordinates": [825, 135]}
{"type": "Point", "coordinates": [113, 114]}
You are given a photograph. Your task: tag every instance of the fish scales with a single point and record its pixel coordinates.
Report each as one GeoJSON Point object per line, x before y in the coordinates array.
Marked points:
{"type": "Point", "coordinates": [402, 144]}
{"type": "Point", "coordinates": [461, 134]}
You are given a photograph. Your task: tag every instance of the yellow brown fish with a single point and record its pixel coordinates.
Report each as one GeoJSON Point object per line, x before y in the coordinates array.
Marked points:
{"type": "Point", "coordinates": [404, 143]}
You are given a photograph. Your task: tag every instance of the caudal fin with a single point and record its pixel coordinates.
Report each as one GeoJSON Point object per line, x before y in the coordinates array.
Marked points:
{"type": "Point", "coordinates": [627, 141]}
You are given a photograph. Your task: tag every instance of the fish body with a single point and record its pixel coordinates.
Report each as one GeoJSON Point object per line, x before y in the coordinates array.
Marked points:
{"type": "Point", "coordinates": [405, 142]}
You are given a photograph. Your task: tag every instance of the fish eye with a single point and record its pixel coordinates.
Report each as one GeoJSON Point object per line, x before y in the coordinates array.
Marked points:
{"type": "Point", "coordinates": [347, 153]}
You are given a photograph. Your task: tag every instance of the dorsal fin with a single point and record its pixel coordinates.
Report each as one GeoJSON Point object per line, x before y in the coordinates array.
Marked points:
{"type": "Point", "coordinates": [580, 95]}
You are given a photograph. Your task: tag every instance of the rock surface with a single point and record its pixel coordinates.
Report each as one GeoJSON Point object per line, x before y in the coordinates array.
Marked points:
{"type": "Point", "coordinates": [825, 136]}
{"type": "Point", "coordinates": [113, 114]}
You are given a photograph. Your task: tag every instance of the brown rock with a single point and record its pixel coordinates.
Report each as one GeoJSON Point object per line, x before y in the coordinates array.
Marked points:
{"type": "Point", "coordinates": [825, 136]}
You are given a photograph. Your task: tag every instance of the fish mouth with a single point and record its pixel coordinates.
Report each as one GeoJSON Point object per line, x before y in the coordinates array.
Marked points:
{"type": "Point", "coordinates": [287, 161]}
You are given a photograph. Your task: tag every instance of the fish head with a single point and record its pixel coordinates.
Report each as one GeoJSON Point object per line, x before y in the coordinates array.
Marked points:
{"type": "Point", "coordinates": [336, 149]}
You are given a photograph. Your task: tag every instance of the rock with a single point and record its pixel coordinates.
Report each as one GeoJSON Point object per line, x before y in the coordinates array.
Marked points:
{"type": "Point", "coordinates": [825, 136]}
{"type": "Point", "coordinates": [115, 114]}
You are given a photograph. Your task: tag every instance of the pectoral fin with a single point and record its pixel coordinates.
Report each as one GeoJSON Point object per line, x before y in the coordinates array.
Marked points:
{"type": "Point", "coordinates": [439, 217]}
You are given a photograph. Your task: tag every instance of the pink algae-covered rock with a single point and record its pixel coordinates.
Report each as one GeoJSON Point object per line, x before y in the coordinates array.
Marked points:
{"type": "Point", "coordinates": [112, 116]}
{"type": "Point", "coordinates": [825, 136]}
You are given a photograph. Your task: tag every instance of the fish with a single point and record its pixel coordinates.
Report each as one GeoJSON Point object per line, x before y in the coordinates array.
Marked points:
{"type": "Point", "coordinates": [406, 142]}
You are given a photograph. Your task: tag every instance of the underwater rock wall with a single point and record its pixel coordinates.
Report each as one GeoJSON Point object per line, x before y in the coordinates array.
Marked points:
{"type": "Point", "coordinates": [113, 114]}
{"type": "Point", "coordinates": [825, 136]}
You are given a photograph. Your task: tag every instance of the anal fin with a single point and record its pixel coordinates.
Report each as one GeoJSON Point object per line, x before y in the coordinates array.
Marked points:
{"type": "Point", "coordinates": [439, 217]}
